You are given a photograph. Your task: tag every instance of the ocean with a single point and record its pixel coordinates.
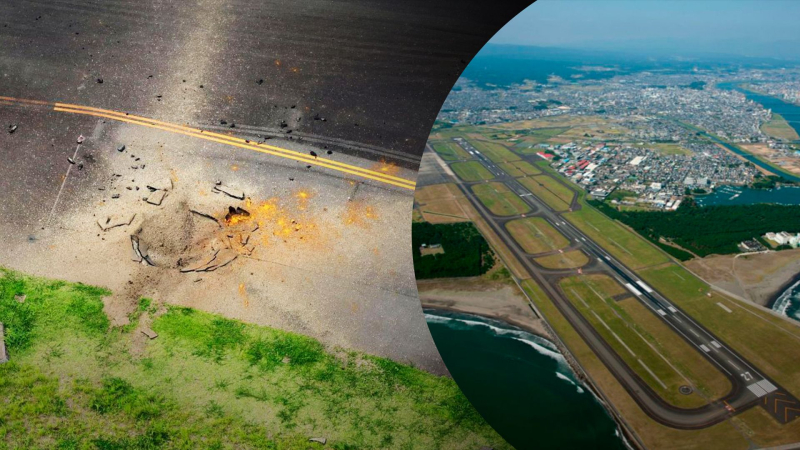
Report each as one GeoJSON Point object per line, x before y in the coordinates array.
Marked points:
{"type": "Point", "coordinates": [521, 384]}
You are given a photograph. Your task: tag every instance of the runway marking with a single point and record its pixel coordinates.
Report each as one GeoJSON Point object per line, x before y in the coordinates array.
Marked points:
{"type": "Point", "coordinates": [652, 374]}
{"type": "Point", "coordinates": [222, 139]}
{"type": "Point", "coordinates": [725, 308]}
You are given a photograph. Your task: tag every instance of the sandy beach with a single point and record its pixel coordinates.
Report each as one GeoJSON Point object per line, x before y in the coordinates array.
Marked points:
{"type": "Point", "coordinates": [491, 299]}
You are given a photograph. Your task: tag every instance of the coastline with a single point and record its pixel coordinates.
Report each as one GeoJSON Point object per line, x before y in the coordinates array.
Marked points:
{"type": "Point", "coordinates": [487, 314]}
{"type": "Point", "coordinates": [779, 293]}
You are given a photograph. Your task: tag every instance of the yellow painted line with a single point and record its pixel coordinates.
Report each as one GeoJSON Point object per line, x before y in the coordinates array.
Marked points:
{"type": "Point", "coordinates": [226, 137]}
{"type": "Point", "coordinates": [322, 163]}
{"type": "Point", "coordinates": [374, 175]}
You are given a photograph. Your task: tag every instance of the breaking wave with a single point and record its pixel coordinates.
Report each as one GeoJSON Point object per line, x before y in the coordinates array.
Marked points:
{"type": "Point", "coordinates": [540, 344]}
{"type": "Point", "coordinates": [788, 304]}
{"type": "Point", "coordinates": [569, 380]}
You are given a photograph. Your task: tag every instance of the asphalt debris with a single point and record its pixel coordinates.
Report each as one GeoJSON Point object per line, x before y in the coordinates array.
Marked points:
{"type": "Point", "coordinates": [121, 148]}
{"type": "Point", "coordinates": [116, 220]}
{"type": "Point", "coordinates": [156, 197]}
{"type": "Point", "coordinates": [12, 128]}
{"type": "Point", "coordinates": [140, 251]}
{"type": "Point", "coordinates": [229, 191]}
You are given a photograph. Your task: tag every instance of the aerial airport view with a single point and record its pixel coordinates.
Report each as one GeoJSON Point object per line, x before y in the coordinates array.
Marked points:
{"type": "Point", "coordinates": [634, 215]}
{"type": "Point", "coordinates": [204, 224]}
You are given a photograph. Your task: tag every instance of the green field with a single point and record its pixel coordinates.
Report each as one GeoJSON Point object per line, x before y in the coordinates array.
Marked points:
{"type": "Point", "coordinates": [75, 382]}
{"type": "Point", "coordinates": [535, 235]}
{"type": "Point", "coordinates": [547, 189]}
{"type": "Point", "coordinates": [666, 148]}
{"type": "Point", "coordinates": [770, 343]}
{"type": "Point", "coordinates": [567, 260]}
{"type": "Point", "coordinates": [496, 152]}
{"type": "Point", "coordinates": [664, 367]}
{"type": "Point", "coordinates": [777, 127]}
{"type": "Point", "coordinates": [500, 200]}
{"type": "Point", "coordinates": [519, 168]}
{"type": "Point", "coordinates": [535, 136]}
{"type": "Point", "coordinates": [631, 249]}
{"type": "Point", "coordinates": [471, 171]}
{"type": "Point", "coordinates": [449, 151]}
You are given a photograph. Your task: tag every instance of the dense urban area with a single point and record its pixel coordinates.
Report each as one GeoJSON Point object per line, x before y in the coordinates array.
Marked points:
{"type": "Point", "coordinates": [653, 148]}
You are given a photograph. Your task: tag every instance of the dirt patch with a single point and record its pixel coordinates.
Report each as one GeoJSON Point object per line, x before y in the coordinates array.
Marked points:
{"type": "Point", "coordinates": [756, 277]}
{"type": "Point", "coordinates": [482, 297]}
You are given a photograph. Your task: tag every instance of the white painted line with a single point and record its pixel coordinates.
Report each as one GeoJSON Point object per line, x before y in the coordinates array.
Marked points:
{"type": "Point", "coordinates": [652, 374]}
{"type": "Point", "coordinates": [716, 344]}
{"type": "Point", "coordinates": [767, 386]}
{"type": "Point", "coordinates": [756, 389]}
{"type": "Point", "coordinates": [661, 311]}
{"type": "Point", "coordinates": [644, 286]}
{"type": "Point", "coordinates": [633, 289]}
{"type": "Point", "coordinates": [704, 348]}
{"type": "Point", "coordinates": [694, 332]}
{"type": "Point", "coordinates": [672, 309]}
{"type": "Point", "coordinates": [734, 365]}
{"type": "Point", "coordinates": [728, 310]}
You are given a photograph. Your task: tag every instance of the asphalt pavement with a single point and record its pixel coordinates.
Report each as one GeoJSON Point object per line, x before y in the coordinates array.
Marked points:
{"type": "Point", "coordinates": [371, 74]}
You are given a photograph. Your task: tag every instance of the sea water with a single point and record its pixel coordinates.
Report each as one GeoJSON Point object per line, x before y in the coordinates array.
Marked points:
{"type": "Point", "coordinates": [521, 384]}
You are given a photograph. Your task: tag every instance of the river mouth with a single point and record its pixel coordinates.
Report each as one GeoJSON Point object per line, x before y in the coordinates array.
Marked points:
{"type": "Point", "coordinates": [521, 384]}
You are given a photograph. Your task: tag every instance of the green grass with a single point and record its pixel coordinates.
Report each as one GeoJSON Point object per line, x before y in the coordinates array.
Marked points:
{"type": "Point", "coordinates": [471, 171]}
{"type": "Point", "coordinates": [496, 152]}
{"type": "Point", "coordinates": [519, 168]}
{"type": "Point", "coordinates": [630, 248]}
{"type": "Point", "coordinates": [592, 296]}
{"type": "Point", "coordinates": [500, 200]}
{"type": "Point", "coordinates": [536, 235]}
{"type": "Point", "coordinates": [449, 151]}
{"type": "Point", "coordinates": [770, 343]}
{"type": "Point", "coordinates": [777, 127]}
{"type": "Point", "coordinates": [550, 191]}
{"type": "Point", "coordinates": [205, 382]}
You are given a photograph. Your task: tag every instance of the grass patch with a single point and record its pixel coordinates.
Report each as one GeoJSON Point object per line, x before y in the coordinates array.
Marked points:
{"type": "Point", "coordinates": [567, 260]}
{"type": "Point", "coordinates": [449, 151]}
{"type": "Point", "coordinates": [519, 168]}
{"type": "Point", "coordinates": [592, 296]}
{"type": "Point", "coordinates": [545, 188]}
{"type": "Point", "coordinates": [206, 382]}
{"type": "Point", "coordinates": [770, 343]}
{"type": "Point", "coordinates": [779, 128]}
{"type": "Point", "coordinates": [536, 235]}
{"type": "Point", "coordinates": [628, 247]}
{"type": "Point", "coordinates": [494, 151]}
{"type": "Point", "coordinates": [500, 200]}
{"type": "Point", "coordinates": [471, 171]}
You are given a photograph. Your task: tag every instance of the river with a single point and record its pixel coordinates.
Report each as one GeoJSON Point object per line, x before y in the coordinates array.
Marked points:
{"type": "Point", "coordinates": [521, 384]}
{"type": "Point", "coordinates": [789, 111]}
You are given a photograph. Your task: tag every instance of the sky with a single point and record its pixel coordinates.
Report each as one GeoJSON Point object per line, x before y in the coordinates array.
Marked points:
{"type": "Point", "coordinates": [759, 28]}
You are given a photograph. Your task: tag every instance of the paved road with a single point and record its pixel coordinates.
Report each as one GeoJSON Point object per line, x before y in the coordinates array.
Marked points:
{"type": "Point", "coordinates": [364, 78]}
{"type": "Point", "coordinates": [377, 71]}
{"type": "Point", "coordinates": [750, 386]}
